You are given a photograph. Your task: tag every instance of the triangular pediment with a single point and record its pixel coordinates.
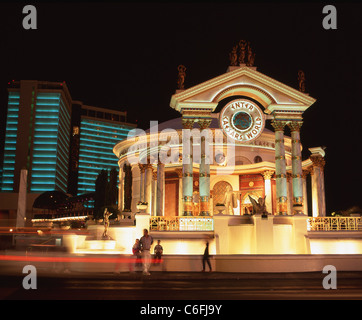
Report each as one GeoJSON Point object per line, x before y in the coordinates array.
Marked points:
{"type": "Point", "coordinates": [272, 94]}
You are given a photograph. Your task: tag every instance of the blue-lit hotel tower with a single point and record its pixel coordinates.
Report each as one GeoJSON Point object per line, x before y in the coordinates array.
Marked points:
{"type": "Point", "coordinates": [63, 144]}
{"type": "Point", "coordinates": [95, 131]}
{"type": "Point", "coordinates": [37, 136]}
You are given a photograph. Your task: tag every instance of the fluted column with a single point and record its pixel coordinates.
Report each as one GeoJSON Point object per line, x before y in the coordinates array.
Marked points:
{"type": "Point", "coordinates": [120, 190]}
{"type": "Point", "coordinates": [154, 193]}
{"type": "Point", "coordinates": [267, 190]}
{"type": "Point", "coordinates": [318, 196]}
{"type": "Point", "coordinates": [187, 169]}
{"type": "Point", "coordinates": [289, 193]}
{"type": "Point", "coordinates": [204, 173]}
{"type": "Point", "coordinates": [160, 189]}
{"type": "Point", "coordinates": [280, 167]}
{"type": "Point", "coordinates": [148, 187]}
{"type": "Point", "coordinates": [305, 198]}
{"type": "Point", "coordinates": [142, 181]}
{"type": "Point", "coordinates": [297, 167]}
{"type": "Point", "coordinates": [180, 202]}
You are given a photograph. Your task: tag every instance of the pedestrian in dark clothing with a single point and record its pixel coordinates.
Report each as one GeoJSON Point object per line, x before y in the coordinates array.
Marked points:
{"type": "Point", "coordinates": [158, 250]}
{"type": "Point", "coordinates": [206, 258]}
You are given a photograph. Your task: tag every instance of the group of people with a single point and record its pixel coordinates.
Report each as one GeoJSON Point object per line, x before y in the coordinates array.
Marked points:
{"type": "Point", "coordinates": [142, 251]}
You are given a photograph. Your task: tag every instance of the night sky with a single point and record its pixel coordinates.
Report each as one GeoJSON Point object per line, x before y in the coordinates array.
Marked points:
{"type": "Point", "coordinates": [124, 56]}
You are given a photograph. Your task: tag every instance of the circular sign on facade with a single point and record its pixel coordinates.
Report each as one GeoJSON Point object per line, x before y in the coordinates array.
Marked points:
{"type": "Point", "coordinates": [242, 120]}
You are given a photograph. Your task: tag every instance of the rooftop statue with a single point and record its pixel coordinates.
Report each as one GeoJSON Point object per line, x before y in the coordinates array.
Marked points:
{"type": "Point", "coordinates": [234, 56]}
{"type": "Point", "coordinates": [301, 81]}
{"type": "Point", "coordinates": [251, 56]}
{"type": "Point", "coordinates": [242, 44]}
{"type": "Point", "coordinates": [181, 77]}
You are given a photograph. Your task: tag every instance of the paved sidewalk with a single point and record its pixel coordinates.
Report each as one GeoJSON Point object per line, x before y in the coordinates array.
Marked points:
{"type": "Point", "coordinates": [180, 276]}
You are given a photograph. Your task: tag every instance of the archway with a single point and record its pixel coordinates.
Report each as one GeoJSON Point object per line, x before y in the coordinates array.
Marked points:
{"type": "Point", "coordinates": [218, 192]}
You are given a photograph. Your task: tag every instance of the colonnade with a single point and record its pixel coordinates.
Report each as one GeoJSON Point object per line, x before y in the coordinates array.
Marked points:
{"type": "Point", "coordinates": [280, 168]}
{"type": "Point", "coordinates": [204, 172]}
{"type": "Point", "coordinates": [299, 186]}
{"type": "Point", "coordinates": [290, 197]}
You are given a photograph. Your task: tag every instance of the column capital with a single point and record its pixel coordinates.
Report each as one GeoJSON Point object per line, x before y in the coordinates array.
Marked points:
{"type": "Point", "coordinates": [295, 125]}
{"type": "Point", "coordinates": [204, 123]}
{"type": "Point", "coordinates": [278, 125]}
{"type": "Point", "coordinates": [187, 123]}
{"type": "Point", "coordinates": [305, 173]}
{"type": "Point", "coordinates": [142, 167]}
{"type": "Point", "coordinates": [318, 161]}
{"type": "Point", "coordinates": [267, 175]}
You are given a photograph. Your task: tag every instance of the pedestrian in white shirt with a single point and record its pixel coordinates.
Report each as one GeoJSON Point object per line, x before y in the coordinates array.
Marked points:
{"type": "Point", "coordinates": [145, 244]}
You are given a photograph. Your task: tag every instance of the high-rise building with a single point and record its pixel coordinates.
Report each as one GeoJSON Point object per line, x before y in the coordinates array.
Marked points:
{"type": "Point", "coordinates": [62, 143]}
{"type": "Point", "coordinates": [37, 136]}
{"type": "Point", "coordinates": [95, 131]}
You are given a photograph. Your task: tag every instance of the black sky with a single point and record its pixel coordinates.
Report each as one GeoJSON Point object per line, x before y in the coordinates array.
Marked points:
{"type": "Point", "coordinates": [124, 56]}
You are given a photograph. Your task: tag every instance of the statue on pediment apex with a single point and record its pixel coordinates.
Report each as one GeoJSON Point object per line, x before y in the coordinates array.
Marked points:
{"type": "Point", "coordinates": [234, 56]}
{"type": "Point", "coordinates": [251, 56]}
{"type": "Point", "coordinates": [301, 81]}
{"type": "Point", "coordinates": [242, 44]}
{"type": "Point", "coordinates": [181, 77]}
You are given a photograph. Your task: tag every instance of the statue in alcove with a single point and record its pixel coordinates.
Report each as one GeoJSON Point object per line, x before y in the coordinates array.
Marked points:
{"type": "Point", "coordinates": [230, 201]}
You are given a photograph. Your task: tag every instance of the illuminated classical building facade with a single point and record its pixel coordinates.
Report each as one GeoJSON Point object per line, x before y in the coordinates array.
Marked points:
{"type": "Point", "coordinates": [219, 174]}
{"type": "Point", "coordinates": [205, 174]}
{"type": "Point", "coordinates": [249, 158]}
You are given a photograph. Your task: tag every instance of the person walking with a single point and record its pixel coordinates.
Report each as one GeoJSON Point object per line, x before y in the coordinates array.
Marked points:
{"type": "Point", "coordinates": [206, 258]}
{"type": "Point", "coordinates": [136, 255]}
{"type": "Point", "coordinates": [145, 244]}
